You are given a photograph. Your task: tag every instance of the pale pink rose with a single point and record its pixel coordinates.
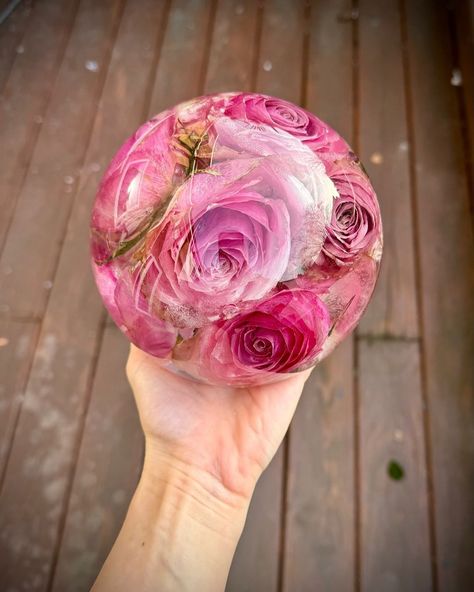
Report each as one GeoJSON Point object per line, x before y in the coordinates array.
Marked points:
{"type": "Point", "coordinates": [294, 170]}
{"type": "Point", "coordinates": [281, 334]}
{"type": "Point", "coordinates": [210, 253]}
{"type": "Point", "coordinates": [225, 239]}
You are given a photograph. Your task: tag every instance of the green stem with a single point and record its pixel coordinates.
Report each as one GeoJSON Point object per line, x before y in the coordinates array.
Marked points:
{"type": "Point", "coordinates": [125, 246]}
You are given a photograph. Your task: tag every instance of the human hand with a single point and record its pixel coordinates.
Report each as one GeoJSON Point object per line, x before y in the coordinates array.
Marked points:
{"type": "Point", "coordinates": [227, 434]}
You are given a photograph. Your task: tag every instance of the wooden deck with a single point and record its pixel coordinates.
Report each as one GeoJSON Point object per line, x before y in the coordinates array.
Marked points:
{"type": "Point", "coordinates": [77, 77]}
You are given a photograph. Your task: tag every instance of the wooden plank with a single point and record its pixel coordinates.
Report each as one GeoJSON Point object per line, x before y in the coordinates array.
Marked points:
{"type": "Point", "coordinates": [233, 47]}
{"type": "Point", "coordinates": [395, 541]}
{"type": "Point", "coordinates": [37, 229]}
{"type": "Point", "coordinates": [395, 526]}
{"type": "Point", "coordinates": [256, 558]}
{"type": "Point", "coordinates": [445, 244]}
{"type": "Point", "coordinates": [11, 35]}
{"type": "Point", "coordinates": [107, 472]}
{"type": "Point", "coordinates": [279, 72]}
{"type": "Point", "coordinates": [26, 95]}
{"type": "Point", "coordinates": [17, 343]}
{"type": "Point", "coordinates": [184, 49]}
{"type": "Point", "coordinates": [384, 148]}
{"type": "Point", "coordinates": [395, 549]}
{"type": "Point", "coordinates": [280, 61]}
{"type": "Point", "coordinates": [330, 51]}
{"type": "Point", "coordinates": [58, 388]}
{"type": "Point", "coordinates": [319, 549]}
{"type": "Point", "coordinates": [319, 552]}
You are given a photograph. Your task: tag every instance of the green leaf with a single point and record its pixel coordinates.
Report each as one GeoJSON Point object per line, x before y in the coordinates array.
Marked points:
{"type": "Point", "coordinates": [395, 470]}
{"type": "Point", "coordinates": [125, 246]}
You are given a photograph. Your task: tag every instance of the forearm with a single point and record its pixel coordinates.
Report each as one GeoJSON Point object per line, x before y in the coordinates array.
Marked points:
{"type": "Point", "coordinates": [180, 533]}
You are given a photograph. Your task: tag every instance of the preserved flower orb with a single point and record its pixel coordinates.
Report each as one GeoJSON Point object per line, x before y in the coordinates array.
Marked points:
{"type": "Point", "coordinates": [237, 238]}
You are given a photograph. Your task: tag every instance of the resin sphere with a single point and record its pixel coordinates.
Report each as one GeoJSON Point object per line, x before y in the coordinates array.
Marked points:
{"type": "Point", "coordinates": [237, 238]}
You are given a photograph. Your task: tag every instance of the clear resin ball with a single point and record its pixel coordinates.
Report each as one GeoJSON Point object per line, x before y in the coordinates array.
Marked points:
{"type": "Point", "coordinates": [237, 238]}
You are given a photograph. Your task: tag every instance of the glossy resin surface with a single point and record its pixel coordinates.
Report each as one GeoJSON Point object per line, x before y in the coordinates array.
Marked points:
{"type": "Point", "coordinates": [237, 238]}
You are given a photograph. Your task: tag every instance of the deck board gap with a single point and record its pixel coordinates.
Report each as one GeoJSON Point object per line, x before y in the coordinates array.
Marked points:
{"type": "Point", "coordinates": [21, 318]}
{"type": "Point", "coordinates": [381, 337]}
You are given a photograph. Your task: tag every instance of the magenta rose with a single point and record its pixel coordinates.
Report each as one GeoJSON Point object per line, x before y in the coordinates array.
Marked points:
{"type": "Point", "coordinates": [283, 333]}
{"type": "Point", "coordinates": [288, 117]}
{"type": "Point", "coordinates": [355, 224]}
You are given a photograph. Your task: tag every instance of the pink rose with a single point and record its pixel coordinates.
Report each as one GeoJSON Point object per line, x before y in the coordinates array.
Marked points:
{"type": "Point", "coordinates": [228, 237]}
{"type": "Point", "coordinates": [132, 313]}
{"type": "Point", "coordinates": [283, 333]}
{"type": "Point", "coordinates": [286, 116]}
{"type": "Point", "coordinates": [138, 179]}
{"type": "Point", "coordinates": [355, 224]}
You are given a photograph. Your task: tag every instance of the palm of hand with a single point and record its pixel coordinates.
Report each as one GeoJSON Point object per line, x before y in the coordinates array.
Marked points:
{"type": "Point", "coordinates": [230, 433]}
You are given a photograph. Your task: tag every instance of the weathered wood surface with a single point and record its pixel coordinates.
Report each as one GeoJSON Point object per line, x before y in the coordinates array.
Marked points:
{"type": "Point", "coordinates": [326, 514]}
{"type": "Point", "coordinates": [394, 520]}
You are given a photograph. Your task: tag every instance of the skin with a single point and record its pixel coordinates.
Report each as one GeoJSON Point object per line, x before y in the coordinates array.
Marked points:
{"type": "Point", "coordinates": [205, 449]}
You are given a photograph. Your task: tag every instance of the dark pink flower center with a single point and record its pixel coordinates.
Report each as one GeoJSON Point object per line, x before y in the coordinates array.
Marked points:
{"type": "Point", "coordinates": [258, 345]}
{"type": "Point", "coordinates": [287, 114]}
{"type": "Point", "coordinates": [261, 345]}
{"type": "Point", "coordinates": [345, 214]}
{"type": "Point", "coordinates": [286, 331]}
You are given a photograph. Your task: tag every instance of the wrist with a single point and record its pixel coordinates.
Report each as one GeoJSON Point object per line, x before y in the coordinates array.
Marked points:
{"type": "Point", "coordinates": [184, 527]}
{"type": "Point", "coordinates": [180, 532]}
{"type": "Point", "coordinates": [184, 492]}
